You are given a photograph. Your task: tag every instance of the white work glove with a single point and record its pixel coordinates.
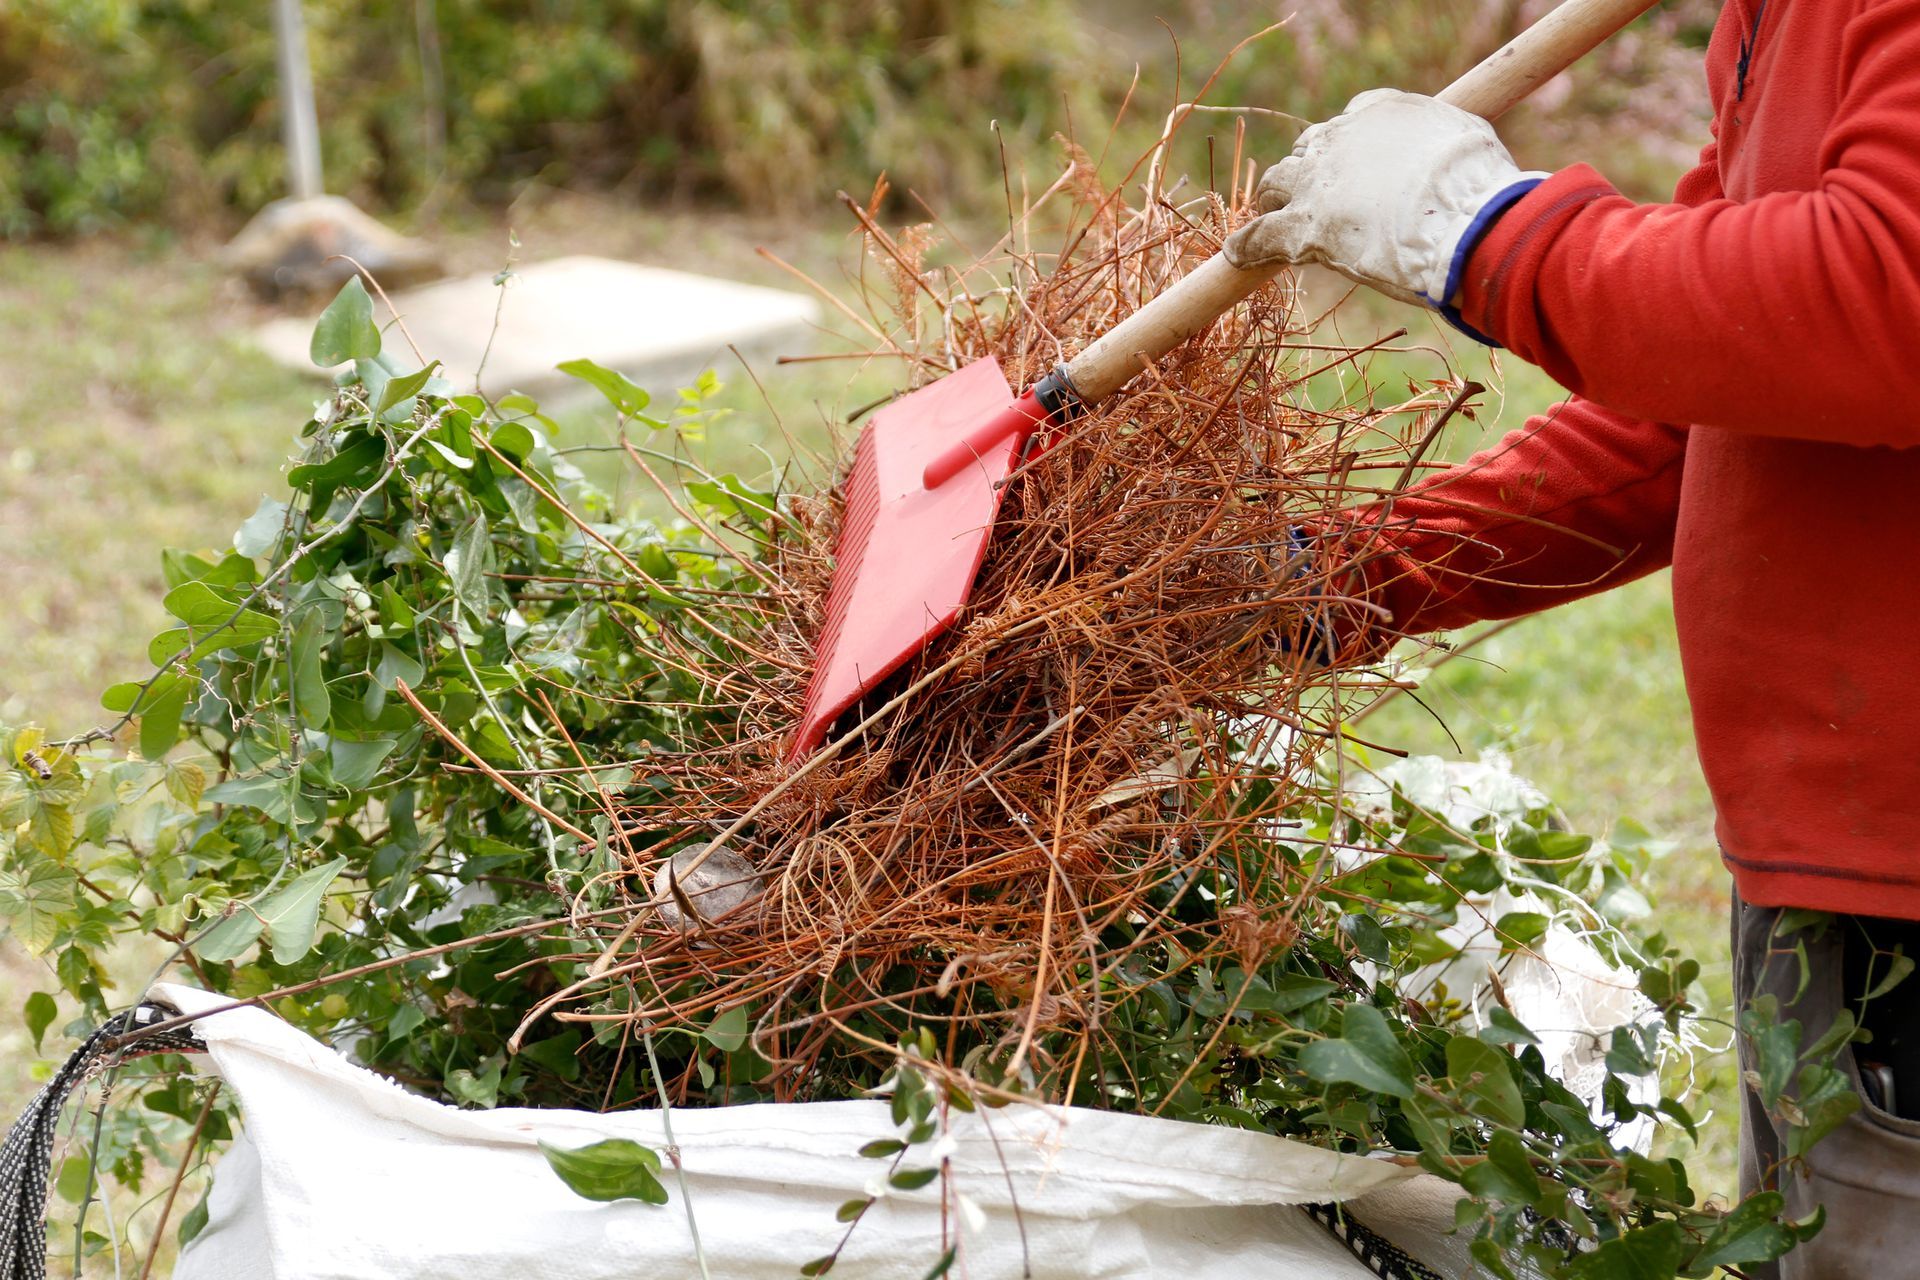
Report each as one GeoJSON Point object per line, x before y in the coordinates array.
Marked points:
{"type": "Point", "coordinates": [1393, 193]}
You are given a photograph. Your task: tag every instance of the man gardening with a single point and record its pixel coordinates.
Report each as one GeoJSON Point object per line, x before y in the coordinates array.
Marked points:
{"type": "Point", "coordinates": [1745, 363]}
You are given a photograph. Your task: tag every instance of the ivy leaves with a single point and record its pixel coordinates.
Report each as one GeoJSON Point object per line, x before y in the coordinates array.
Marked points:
{"type": "Point", "coordinates": [345, 330]}
{"type": "Point", "coordinates": [288, 917]}
{"type": "Point", "coordinates": [1366, 1054]}
{"type": "Point", "coordinates": [307, 682]}
{"type": "Point", "coordinates": [1482, 1079]}
{"type": "Point", "coordinates": [619, 390]}
{"type": "Point", "coordinates": [616, 1169]}
{"type": "Point", "coordinates": [469, 561]}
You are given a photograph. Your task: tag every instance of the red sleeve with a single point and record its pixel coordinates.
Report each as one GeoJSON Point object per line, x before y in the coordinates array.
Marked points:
{"type": "Point", "coordinates": [1791, 314]}
{"type": "Point", "coordinates": [1579, 500]}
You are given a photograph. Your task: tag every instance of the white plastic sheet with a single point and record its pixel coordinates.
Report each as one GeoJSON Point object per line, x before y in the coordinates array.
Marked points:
{"type": "Point", "coordinates": [341, 1175]}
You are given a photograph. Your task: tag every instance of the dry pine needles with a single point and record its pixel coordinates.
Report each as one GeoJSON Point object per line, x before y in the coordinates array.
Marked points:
{"type": "Point", "coordinates": [1126, 722]}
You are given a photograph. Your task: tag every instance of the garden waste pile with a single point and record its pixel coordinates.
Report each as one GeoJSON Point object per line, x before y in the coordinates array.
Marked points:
{"type": "Point", "coordinates": [461, 759]}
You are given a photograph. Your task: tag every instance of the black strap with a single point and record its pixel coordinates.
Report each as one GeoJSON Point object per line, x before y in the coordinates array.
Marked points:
{"type": "Point", "coordinates": [26, 1158]}
{"type": "Point", "coordinates": [1377, 1253]}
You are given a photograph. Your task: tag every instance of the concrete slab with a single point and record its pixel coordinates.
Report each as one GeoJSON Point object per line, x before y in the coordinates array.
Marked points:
{"type": "Point", "coordinates": [659, 327]}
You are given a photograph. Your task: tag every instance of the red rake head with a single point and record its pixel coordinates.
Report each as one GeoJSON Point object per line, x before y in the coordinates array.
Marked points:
{"type": "Point", "coordinates": [907, 554]}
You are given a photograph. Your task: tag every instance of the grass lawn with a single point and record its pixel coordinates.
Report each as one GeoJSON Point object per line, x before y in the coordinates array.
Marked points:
{"type": "Point", "coordinates": [138, 418]}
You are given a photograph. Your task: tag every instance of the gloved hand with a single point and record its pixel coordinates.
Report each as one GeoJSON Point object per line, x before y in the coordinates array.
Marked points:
{"type": "Point", "coordinates": [1393, 193]}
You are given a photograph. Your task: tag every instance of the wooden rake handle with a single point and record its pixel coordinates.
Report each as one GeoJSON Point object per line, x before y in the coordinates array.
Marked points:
{"type": "Point", "coordinates": [1522, 65]}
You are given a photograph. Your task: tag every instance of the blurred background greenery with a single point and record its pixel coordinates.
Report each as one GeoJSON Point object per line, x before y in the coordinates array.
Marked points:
{"type": "Point", "coordinates": [114, 111]}
{"type": "Point", "coordinates": [137, 135]}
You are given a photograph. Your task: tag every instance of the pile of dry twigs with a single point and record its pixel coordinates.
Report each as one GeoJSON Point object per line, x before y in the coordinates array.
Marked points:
{"type": "Point", "coordinates": [1125, 722]}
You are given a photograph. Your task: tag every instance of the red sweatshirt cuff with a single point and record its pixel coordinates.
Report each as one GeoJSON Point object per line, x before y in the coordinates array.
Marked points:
{"type": "Point", "coordinates": [1496, 289]}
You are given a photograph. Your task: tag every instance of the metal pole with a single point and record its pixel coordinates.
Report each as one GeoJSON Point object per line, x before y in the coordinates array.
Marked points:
{"type": "Point", "coordinates": [299, 122]}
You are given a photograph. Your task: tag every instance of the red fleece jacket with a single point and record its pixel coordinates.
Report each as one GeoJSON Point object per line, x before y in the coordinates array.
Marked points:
{"type": "Point", "coordinates": [1746, 363]}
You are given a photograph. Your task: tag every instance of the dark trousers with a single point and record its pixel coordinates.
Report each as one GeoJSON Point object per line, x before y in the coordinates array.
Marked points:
{"type": "Point", "coordinates": [1867, 1172]}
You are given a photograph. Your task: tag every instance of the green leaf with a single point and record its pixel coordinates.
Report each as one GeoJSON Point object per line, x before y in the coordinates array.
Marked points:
{"type": "Point", "coordinates": [558, 1055]}
{"type": "Point", "coordinates": [128, 696]}
{"type": "Point", "coordinates": [307, 681]}
{"type": "Point", "coordinates": [616, 1169]}
{"type": "Point", "coordinates": [817, 1267]}
{"type": "Point", "coordinates": [513, 440]}
{"type": "Point", "coordinates": [1749, 1232]}
{"type": "Point", "coordinates": [355, 763]}
{"type": "Point", "coordinates": [1433, 1123]}
{"type": "Point", "coordinates": [1506, 1175]}
{"type": "Point", "coordinates": [52, 829]}
{"type": "Point", "coordinates": [907, 1088]}
{"type": "Point", "coordinates": [1518, 930]}
{"type": "Point", "coordinates": [404, 387]}
{"type": "Point", "coordinates": [291, 913]}
{"type": "Point", "coordinates": [230, 938]}
{"type": "Point", "coordinates": [1503, 1028]}
{"type": "Point", "coordinates": [850, 1209]}
{"type": "Point", "coordinates": [1673, 1110]}
{"type": "Point", "coordinates": [912, 1179]}
{"type": "Point", "coordinates": [620, 392]}
{"type": "Point", "coordinates": [1899, 966]}
{"type": "Point", "coordinates": [196, 1220]}
{"type": "Point", "coordinates": [176, 1099]}
{"type": "Point", "coordinates": [476, 1089]}
{"type": "Point", "coordinates": [1366, 1054]}
{"type": "Point", "coordinates": [34, 894]}
{"type": "Point", "coordinates": [468, 562]}
{"type": "Point", "coordinates": [1369, 939]}
{"type": "Point", "coordinates": [1824, 1097]}
{"type": "Point", "coordinates": [1482, 1078]}
{"type": "Point", "coordinates": [43, 803]}
{"type": "Point", "coordinates": [1625, 1057]}
{"type": "Point", "coordinates": [729, 495]}
{"type": "Point", "coordinates": [186, 782]}
{"type": "Point", "coordinates": [40, 1012]}
{"type": "Point", "coordinates": [944, 1265]}
{"type": "Point", "coordinates": [1293, 992]}
{"type": "Point", "coordinates": [160, 722]}
{"type": "Point", "coordinates": [345, 330]}
{"type": "Point", "coordinates": [407, 1019]}
{"type": "Point", "coordinates": [257, 535]}
{"type": "Point", "coordinates": [199, 605]}
{"type": "Point", "coordinates": [288, 916]}
{"type": "Point", "coordinates": [356, 463]}
{"type": "Point", "coordinates": [269, 793]}
{"type": "Point", "coordinates": [728, 1031]}
{"type": "Point", "coordinates": [1839, 1032]}
{"type": "Point", "coordinates": [1552, 846]}
{"type": "Point", "coordinates": [74, 1179]}
{"type": "Point", "coordinates": [395, 613]}
{"type": "Point", "coordinates": [178, 567]}
{"type": "Point", "coordinates": [1645, 1253]}
{"type": "Point", "coordinates": [882, 1148]}
{"type": "Point", "coordinates": [1775, 1047]}
{"type": "Point", "coordinates": [374, 375]}
{"type": "Point", "coordinates": [394, 667]}
{"type": "Point", "coordinates": [448, 456]}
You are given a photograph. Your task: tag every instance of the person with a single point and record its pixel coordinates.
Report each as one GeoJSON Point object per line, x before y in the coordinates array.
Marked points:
{"type": "Point", "coordinates": [1745, 369]}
